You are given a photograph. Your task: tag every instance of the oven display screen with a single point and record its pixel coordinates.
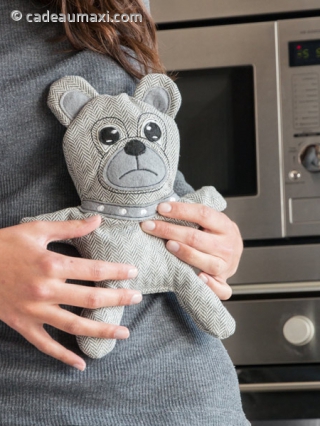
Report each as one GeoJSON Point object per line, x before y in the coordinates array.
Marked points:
{"type": "Point", "coordinates": [304, 53]}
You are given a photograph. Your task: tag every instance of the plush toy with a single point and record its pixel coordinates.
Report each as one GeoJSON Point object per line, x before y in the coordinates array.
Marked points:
{"type": "Point", "coordinates": [122, 154]}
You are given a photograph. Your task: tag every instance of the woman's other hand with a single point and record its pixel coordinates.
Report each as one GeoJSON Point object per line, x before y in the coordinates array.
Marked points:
{"type": "Point", "coordinates": [215, 248]}
{"type": "Point", "coordinates": [32, 286]}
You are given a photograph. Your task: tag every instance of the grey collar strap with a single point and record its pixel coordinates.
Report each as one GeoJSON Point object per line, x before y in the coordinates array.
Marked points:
{"type": "Point", "coordinates": [125, 212]}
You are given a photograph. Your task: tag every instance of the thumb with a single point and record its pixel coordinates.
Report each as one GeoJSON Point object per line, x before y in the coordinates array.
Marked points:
{"type": "Point", "coordinates": [69, 229]}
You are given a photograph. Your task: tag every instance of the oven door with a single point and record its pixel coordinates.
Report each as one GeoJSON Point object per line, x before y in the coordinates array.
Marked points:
{"type": "Point", "coordinates": [229, 118]}
{"type": "Point", "coordinates": [281, 395]}
{"type": "Point", "coordinates": [189, 10]}
{"type": "Point", "coordinates": [276, 350]}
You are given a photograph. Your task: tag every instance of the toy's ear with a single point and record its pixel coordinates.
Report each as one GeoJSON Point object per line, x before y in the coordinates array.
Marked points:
{"type": "Point", "coordinates": [161, 92]}
{"type": "Point", "coordinates": [68, 96]}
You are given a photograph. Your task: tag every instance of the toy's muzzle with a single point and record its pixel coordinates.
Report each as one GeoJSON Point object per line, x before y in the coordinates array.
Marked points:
{"type": "Point", "coordinates": [137, 165]}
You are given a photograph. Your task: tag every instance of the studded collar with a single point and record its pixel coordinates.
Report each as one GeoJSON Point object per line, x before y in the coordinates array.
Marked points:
{"type": "Point", "coordinates": [125, 212]}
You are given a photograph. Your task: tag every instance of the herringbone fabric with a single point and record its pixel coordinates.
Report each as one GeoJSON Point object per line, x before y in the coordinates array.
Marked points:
{"type": "Point", "coordinates": [65, 85]}
{"type": "Point", "coordinates": [157, 80]}
{"type": "Point", "coordinates": [121, 240]}
{"type": "Point", "coordinates": [82, 136]}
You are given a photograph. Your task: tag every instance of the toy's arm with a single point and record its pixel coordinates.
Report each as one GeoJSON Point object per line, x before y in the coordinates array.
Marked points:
{"type": "Point", "coordinates": [207, 196]}
{"type": "Point", "coordinates": [72, 213]}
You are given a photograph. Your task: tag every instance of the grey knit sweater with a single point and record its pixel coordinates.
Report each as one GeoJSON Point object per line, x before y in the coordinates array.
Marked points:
{"type": "Point", "coordinates": [167, 372]}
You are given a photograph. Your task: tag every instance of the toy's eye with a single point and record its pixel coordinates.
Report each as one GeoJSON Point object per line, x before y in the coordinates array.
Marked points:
{"type": "Point", "coordinates": [152, 131]}
{"type": "Point", "coordinates": [109, 135]}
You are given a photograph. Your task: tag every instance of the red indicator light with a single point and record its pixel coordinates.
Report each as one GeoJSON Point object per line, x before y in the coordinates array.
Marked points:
{"type": "Point", "coordinates": [299, 47]}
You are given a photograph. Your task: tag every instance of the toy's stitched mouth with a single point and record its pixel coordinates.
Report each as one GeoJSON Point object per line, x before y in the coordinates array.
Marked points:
{"type": "Point", "coordinates": [132, 172]}
{"type": "Point", "coordinates": [138, 170]}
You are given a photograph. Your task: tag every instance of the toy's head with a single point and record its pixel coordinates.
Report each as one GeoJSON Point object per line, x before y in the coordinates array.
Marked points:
{"type": "Point", "coordinates": [119, 149]}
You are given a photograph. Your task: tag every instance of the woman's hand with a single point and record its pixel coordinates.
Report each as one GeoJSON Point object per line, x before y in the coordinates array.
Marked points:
{"type": "Point", "coordinates": [215, 249]}
{"type": "Point", "coordinates": [32, 286]}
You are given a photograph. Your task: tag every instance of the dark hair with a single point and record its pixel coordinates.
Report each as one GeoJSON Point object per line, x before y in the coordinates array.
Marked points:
{"type": "Point", "coordinates": [123, 41]}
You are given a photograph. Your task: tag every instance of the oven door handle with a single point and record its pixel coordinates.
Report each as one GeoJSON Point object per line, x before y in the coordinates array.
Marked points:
{"type": "Point", "coordinates": [274, 288]}
{"type": "Point", "coordinates": [280, 387]}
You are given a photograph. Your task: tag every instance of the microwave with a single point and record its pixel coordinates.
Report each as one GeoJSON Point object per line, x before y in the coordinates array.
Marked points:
{"type": "Point", "coordinates": [173, 11]}
{"type": "Point", "coordinates": [250, 126]}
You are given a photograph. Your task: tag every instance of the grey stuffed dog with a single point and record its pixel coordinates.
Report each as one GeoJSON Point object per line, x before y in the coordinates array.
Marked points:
{"type": "Point", "coordinates": [122, 154]}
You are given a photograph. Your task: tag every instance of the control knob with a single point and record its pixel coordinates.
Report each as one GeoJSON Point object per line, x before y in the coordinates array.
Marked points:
{"type": "Point", "coordinates": [298, 330]}
{"type": "Point", "coordinates": [310, 158]}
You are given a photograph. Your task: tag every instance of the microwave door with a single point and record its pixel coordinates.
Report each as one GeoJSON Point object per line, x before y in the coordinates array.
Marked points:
{"type": "Point", "coordinates": [229, 118]}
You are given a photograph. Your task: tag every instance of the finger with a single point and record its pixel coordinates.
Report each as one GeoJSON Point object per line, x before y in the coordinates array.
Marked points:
{"type": "Point", "coordinates": [64, 267]}
{"type": "Point", "coordinates": [204, 216]}
{"type": "Point", "coordinates": [79, 326]}
{"type": "Point", "coordinates": [44, 343]}
{"type": "Point", "coordinates": [55, 231]}
{"type": "Point", "coordinates": [221, 289]}
{"type": "Point", "coordinates": [199, 240]}
{"type": "Point", "coordinates": [93, 297]}
{"type": "Point", "coordinates": [212, 265]}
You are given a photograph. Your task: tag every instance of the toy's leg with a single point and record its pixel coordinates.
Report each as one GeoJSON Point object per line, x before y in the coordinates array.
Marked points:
{"type": "Point", "coordinates": [96, 347]}
{"type": "Point", "coordinates": [204, 306]}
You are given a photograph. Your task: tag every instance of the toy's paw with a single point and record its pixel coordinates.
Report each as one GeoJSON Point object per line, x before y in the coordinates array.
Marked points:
{"type": "Point", "coordinates": [94, 347]}
{"type": "Point", "coordinates": [204, 306]}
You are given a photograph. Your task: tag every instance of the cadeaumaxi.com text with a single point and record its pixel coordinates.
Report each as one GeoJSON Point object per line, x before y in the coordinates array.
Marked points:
{"type": "Point", "coordinates": [16, 15]}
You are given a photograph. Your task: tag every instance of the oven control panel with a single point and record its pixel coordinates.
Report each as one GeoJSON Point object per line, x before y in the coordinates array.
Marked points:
{"type": "Point", "coordinates": [299, 85]}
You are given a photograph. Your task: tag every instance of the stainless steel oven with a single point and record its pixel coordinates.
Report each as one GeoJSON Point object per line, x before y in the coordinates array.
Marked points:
{"type": "Point", "coordinates": [249, 74]}
{"type": "Point", "coordinates": [276, 349]}
{"type": "Point", "coordinates": [250, 125]}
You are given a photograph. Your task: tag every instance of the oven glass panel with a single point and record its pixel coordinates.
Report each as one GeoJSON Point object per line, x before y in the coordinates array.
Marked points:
{"type": "Point", "coordinates": [282, 408]}
{"type": "Point", "coordinates": [217, 128]}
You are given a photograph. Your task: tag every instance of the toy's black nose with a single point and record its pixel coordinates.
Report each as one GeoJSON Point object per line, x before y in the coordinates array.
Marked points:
{"type": "Point", "coordinates": [135, 147]}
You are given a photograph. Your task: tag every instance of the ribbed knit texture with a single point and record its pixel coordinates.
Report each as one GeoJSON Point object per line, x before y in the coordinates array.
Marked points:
{"type": "Point", "coordinates": [167, 372]}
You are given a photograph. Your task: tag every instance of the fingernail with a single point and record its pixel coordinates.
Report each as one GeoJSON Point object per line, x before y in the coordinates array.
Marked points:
{"type": "Point", "coordinates": [148, 225]}
{"type": "Point", "coordinates": [164, 208]}
{"type": "Point", "coordinates": [132, 273]}
{"type": "Point", "coordinates": [79, 366]}
{"type": "Point", "coordinates": [121, 334]}
{"type": "Point", "coordinates": [136, 299]}
{"type": "Point", "coordinates": [90, 219]}
{"type": "Point", "coordinates": [173, 246]}
{"type": "Point", "coordinates": [203, 278]}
